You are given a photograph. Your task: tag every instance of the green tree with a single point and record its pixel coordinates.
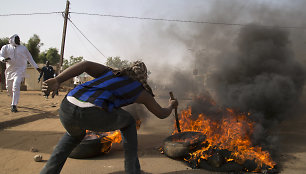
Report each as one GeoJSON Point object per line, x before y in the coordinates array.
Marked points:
{"type": "Point", "coordinates": [3, 41]}
{"type": "Point", "coordinates": [72, 61]}
{"type": "Point", "coordinates": [117, 63]}
{"type": "Point", "coordinates": [51, 55]}
{"type": "Point", "coordinates": [42, 57]}
{"type": "Point", "coordinates": [33, 46]}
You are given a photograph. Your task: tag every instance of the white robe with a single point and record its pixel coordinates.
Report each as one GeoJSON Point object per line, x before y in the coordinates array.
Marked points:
{"type": "Point", "coordinates": [19, 55]}
{"type": "Point", "coordinates": [16, 67]}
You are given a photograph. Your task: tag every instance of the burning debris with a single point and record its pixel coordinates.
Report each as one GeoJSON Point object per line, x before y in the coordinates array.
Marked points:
{"type": "Point", "coordinates": [93, 144]}
{"type": "Point", "coordinates": [229, 139]}
{"type": "Point", "coordinates": [218, 145]}
{"type": "Point", "coordinates": [181, 144]}
{"type": "Point", "coordinates": [257, 81]}
{"type": "Point", "coordinates": [97, 143]}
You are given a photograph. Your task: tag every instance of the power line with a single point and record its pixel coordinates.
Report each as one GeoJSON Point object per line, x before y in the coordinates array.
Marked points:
{"type": "Point", "coordinates": [183, 21]}
{"type": "Point", "coordinates": [29, 14]}
{"type": "Point", "coordinates": [155, 19]}
{"type": "Point", "coordinates": [77, 35]}
{"type": "Point", "coordinates": [86, 37]}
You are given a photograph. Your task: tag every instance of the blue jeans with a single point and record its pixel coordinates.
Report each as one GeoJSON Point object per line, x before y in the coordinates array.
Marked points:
{"type": "Point", "coordinates": [77, 120]}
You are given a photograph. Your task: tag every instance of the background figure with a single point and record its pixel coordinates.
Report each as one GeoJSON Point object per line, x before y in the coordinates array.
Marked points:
{"type": "Point", "coordinates": [76, 81]}
{"type": "Point", "coordinates": [16, 57]}
{"type": "Point", "coordinates": [47, 72]}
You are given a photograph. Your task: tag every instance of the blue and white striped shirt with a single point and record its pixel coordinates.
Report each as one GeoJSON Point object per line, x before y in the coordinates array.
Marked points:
{"type": "Point", "coordinates": [108, 91]}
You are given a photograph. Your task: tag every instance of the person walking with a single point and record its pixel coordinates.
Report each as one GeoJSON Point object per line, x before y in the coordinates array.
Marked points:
{"type": "Point", "coordinates": [47, 72]}
{"type": "Point", "coordinates": [96, 105]}
{"type": "Point", "coordinates": [16, 57]}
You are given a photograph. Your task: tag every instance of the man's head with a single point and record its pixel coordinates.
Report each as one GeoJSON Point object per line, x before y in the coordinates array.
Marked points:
{"type": "Point", "coordinates": [140, 69]}
{"type": "Point", "coordinates": [47, 63]}
{"type": "Point", "coordinates": [140, 73]}
{"type": "Point", "coordinates": [17, 40]}
{"type": "Point", "coordinates": [14, 40]}
{"type": "Point", "coordinates": [137, 71]}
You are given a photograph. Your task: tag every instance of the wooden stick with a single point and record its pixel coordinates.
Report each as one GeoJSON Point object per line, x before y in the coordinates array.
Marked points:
{"type": "Point", "coordinates": [175, 114]}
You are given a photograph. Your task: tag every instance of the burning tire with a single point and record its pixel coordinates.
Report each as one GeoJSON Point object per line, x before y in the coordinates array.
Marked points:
{"type": "Point", "coordinates": [91, 146]}
{"type": "Point", "coordinates": [228, 167]}
{"type": "Point", "coordinates": [180, 144]}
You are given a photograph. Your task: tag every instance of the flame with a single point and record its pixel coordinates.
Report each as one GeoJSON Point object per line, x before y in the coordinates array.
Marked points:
{"type": "Point", "coordinates": [138, 123]}
{"type": "Point", "coordinates": [232, 132]}
{"type": "Point", "coordinates": [113, 136]}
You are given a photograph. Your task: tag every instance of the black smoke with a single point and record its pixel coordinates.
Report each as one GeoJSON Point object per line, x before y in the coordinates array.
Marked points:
{"type": "Point", "coordinates": [262, 76]}
{"type": "Point", "coordinates": [254, 68]}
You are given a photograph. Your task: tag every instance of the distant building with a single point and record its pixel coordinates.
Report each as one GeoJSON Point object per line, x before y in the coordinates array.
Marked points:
{"type": "Point", "coordinates": [30, 82]}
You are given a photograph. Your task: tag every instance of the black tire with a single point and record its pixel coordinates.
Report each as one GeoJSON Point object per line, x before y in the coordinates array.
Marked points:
{"type": "Point", "coordinates": [90, 148]}
{"type": "Point", "coordinates": [179, 145]}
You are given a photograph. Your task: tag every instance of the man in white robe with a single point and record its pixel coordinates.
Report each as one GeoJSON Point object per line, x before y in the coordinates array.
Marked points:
{"type": "Point", "coordinates": [16, 57]}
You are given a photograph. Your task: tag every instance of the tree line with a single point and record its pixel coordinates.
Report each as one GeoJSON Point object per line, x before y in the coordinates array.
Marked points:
{"type": "Point", "coordinates": [52, 55]}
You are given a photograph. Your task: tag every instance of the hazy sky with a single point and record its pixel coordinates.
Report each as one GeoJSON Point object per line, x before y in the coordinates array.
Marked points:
{"type": "Point", "coordinates": [112, 36]}
{"type": "Point", "coordinates": [156, 42]}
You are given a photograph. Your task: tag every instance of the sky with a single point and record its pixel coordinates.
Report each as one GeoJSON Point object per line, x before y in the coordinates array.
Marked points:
{"type": "Point", "coordinates": [158, 43]}
{"type": "Point", "coordinates": [112, 36]}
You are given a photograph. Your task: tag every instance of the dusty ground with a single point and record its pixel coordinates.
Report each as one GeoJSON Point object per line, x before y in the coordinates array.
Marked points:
{"type": "Point", "coordinates": [37, 125]}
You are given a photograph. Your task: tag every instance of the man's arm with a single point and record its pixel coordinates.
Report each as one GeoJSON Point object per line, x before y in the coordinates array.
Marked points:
{"type": "Point", "coordinates": [151, 104]}
{"type": "Point", "coordinates": [2, 53]}
{"type": "Point", "coordinates": [93, 69]}
{"type": "Point", "coordinates": [41, 74]}
{"type": "Point", "coordinates": [31, 60]}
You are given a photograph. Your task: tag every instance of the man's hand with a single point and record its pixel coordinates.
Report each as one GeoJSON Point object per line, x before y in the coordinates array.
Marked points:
{"type": "Point", "coordinates": [6, 60]}
{"type": "Point", "coordinates": [39, 70]}
{"type": "Point", "coordinates": [50, 85]}
{"type": "Point", "coordinates": [173, 103]}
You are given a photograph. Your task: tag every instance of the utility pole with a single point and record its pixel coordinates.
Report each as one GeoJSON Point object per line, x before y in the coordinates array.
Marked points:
{"type": "Point", "coordinates": [64, 37]}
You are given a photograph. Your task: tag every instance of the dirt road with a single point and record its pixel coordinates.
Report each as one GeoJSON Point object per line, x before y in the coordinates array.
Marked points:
{"type": "Point", "coordinates": [44, 130]}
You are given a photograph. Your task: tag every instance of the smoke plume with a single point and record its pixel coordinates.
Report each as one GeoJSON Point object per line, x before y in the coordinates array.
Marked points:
{"type": "Point", "coordinates": [253, 68]}
{"type": "Point", "coordinates": [262, 76]}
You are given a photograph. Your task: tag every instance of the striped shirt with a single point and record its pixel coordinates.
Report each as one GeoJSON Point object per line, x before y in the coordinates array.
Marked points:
{"type": "Point", "coordinates": [108, 91]}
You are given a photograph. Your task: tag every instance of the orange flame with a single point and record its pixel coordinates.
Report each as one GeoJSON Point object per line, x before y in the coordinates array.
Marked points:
{"type": "Point", "coordinates": [114, 136]}
{"type": "Point", "coordinates": [233, 133]}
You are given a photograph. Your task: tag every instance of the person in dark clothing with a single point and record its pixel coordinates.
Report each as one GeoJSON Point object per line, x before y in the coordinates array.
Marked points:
{"type": "Point", "coordinates": [47, 72]}
{"type": "Point", "coordinates": [96, 105]}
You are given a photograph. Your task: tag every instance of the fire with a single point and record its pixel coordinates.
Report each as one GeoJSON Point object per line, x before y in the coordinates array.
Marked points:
{"type": "Point", "coordinates": [232, 133]}
{"type": "Point", "coordinates": [113, 136]}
